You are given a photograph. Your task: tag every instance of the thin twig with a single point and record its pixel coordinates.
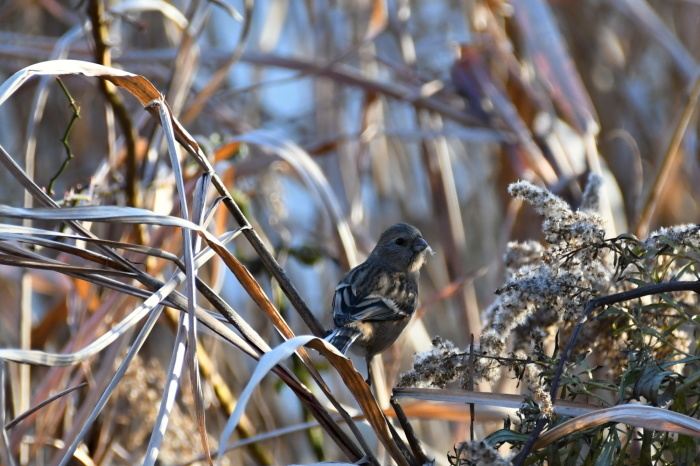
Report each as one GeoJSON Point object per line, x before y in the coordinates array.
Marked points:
{"type": "Point", "coordinates": [64, 139]}
{"type": "Point", "coordinates": [470, 386]}
{"type": "Point", "coordinates": [102, 56]}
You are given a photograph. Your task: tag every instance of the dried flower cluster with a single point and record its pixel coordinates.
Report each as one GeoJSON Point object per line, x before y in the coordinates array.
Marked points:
{"type": "Point", "coordinates": [622, 352]}
{"type": "Point", "coordinates": [477, 454]}
{"type": "Point", "coordinates": [545, 285]}
{"type": "Point", "coordinates": [680, 236]}
{"type": "Point", "coordinates": [443, 364]}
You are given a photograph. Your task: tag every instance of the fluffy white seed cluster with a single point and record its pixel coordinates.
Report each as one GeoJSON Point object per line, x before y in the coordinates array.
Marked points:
{"type": "Point", "coordinates": [561, 224]}
{"type": "Point", "coordinates": [443, 364]}
{"type": "Point", "coordinates": [547, 284]}
{"type": "Point", "coordinates": [678, 236]}
{"type": "Point", "coordinates": [480, 453]}
{"type": "Point", "coordinates": [521, 255]}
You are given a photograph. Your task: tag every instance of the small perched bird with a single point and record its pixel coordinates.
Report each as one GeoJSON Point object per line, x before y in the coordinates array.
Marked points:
{"type": "Point", "coordinates": [374, 302]}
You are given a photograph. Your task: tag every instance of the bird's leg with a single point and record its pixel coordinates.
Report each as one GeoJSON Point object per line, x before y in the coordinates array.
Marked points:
{"type": "Point", "coordinates": [369, 371]}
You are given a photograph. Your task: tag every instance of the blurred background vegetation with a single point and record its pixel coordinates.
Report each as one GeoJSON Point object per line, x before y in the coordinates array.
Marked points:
{"type": "Point", "coordinates": [324, 118]}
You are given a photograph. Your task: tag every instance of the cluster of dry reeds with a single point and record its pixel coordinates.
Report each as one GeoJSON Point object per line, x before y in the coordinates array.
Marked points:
{"type": "Point", "coordinates": [184, 183]}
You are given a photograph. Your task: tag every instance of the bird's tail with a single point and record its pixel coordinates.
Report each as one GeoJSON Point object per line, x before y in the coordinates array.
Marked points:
{"type": "Point", "coordinates": [342, 338]}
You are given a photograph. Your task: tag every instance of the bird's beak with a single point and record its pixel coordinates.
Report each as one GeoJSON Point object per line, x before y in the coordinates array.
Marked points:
{"type": "Point", "coordinates": [420, 245]}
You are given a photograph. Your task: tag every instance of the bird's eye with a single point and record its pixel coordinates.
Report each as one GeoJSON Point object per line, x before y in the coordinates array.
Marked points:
{"type": "Point", "coordinates": [400, 241]}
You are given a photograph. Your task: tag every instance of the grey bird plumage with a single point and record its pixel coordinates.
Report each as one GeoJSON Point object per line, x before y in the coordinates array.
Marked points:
{"type": "Point", "coordinates": [374, 302]}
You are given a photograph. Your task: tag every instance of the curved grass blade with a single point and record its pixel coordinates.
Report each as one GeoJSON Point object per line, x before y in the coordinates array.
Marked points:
{"type": "Point", "coordinates": [190, 324]}
{"type": "Point", "coordinates": [353, 380]}
{"type": "Point", "coordinates": [642, 416]}
{"type": "Point", "coordinates": [52, 359]}
{"type": "Point", "coordinates": [34, 409]}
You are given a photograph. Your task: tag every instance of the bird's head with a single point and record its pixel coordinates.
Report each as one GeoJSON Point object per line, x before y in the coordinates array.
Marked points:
{"type": "Point", "coordinates": [402, 247]}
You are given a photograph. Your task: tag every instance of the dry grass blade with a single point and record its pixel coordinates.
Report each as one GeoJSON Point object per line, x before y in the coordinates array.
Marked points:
{"type": "Point", "coordinates": [57, 267]}
{"type": "Point", "coordinates": [137, 85]}
{"type": "Point", "coordinates": [256, 293]}
{"type": "Point", "coordinates": [154, 299]}
{"type": "Point", "coordinates": [642, 416]}
{"type": "Point", "coordinates": [174, 373]}
{"type": "Point", "coordinates": [503, 400]}
{"type": "Point", "coordinates": [110, 336]}
{"type": "Point", "coordinates": [414, 410]}
{"type": "Point", "coordinates": [114, 214]}
{"type": "Point", "coordinates": [24, 415]}
{"type": "Point", "coordinates": [268, 361]}
{"type": "Point", "coordinates": [53, 359]}
{"type": "Point", "coordinates": [188, 337]}
{"type": "Point", "coordinates": [353, 380]}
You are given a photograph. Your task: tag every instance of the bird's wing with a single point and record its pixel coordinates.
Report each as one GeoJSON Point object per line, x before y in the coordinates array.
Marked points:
{"type": "Point", "coordinates": [348, 308]}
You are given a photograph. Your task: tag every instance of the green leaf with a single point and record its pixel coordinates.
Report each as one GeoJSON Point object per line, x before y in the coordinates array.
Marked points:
{"type": "Point", "coordinates": [656, 385]}
{"type": "Point", "coordinates": [608, 452]}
